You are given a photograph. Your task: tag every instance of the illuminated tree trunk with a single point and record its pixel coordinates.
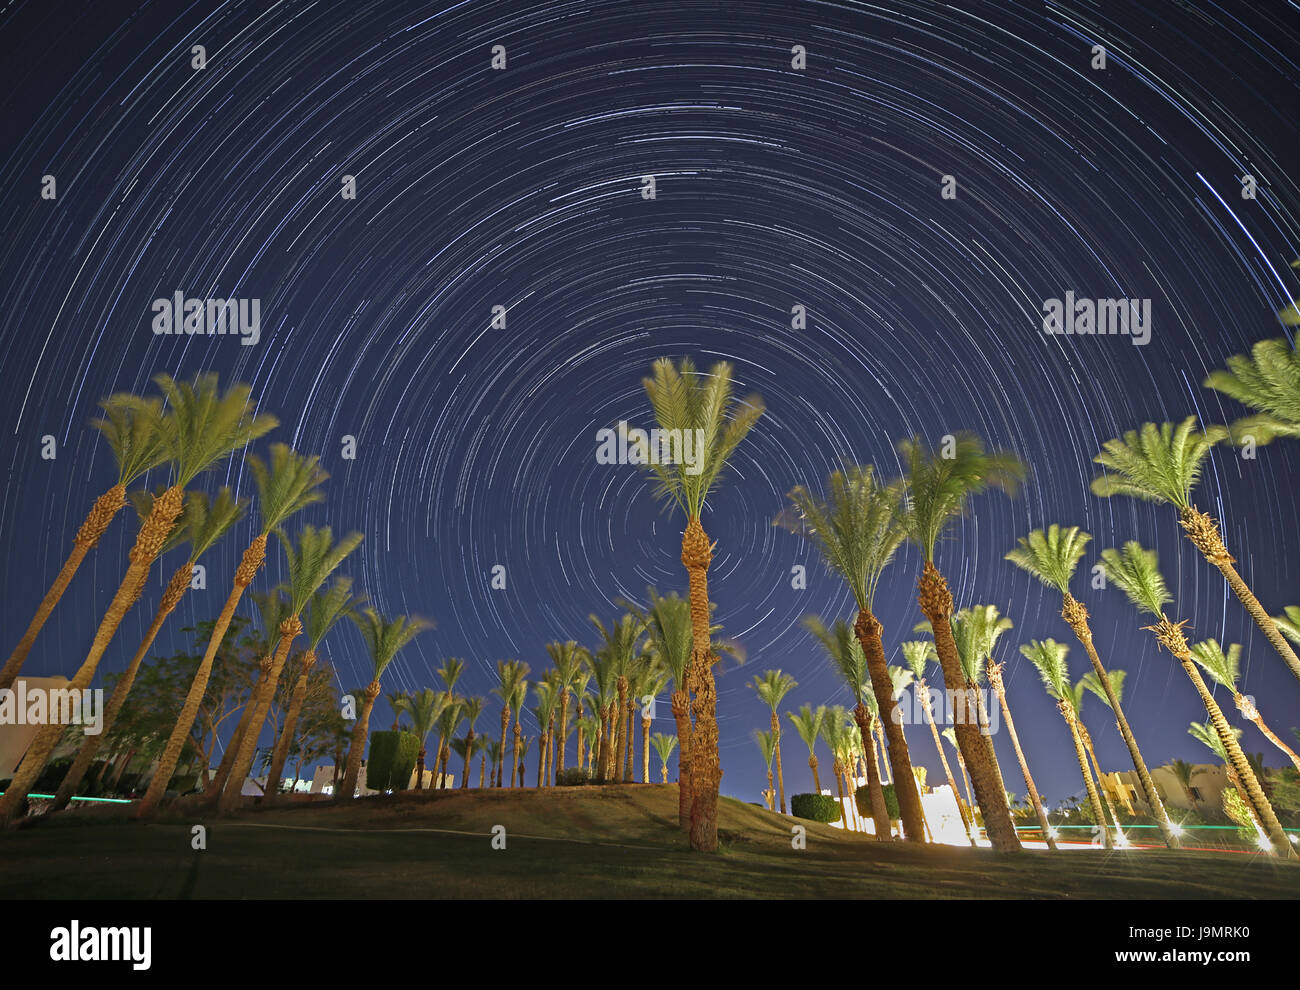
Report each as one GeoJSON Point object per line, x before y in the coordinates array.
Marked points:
{"type": "Point", "coordinates": [358, 747]}
{"type": "Point", "coordinates": [879, 810]}
{"type": "Point", "coordinates": [283, 744]}
{"type": "Point", "coordinates": [706, 770]}
{"type": "Point", "coordinates": [943, 758]}
{"type": "Point", "coordinates": [995, 679]}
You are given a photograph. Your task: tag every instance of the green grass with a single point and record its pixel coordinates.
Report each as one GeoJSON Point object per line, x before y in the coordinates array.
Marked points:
{"type": "Point", "coordinates": [615, 841]}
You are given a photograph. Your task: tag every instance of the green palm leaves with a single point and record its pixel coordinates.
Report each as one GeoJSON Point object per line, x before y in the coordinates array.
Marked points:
{"type": "Point", "coordinates": [1268, 381]}
{"type": "Point", "coordinates": [1223, 668]}
{"type": "Point", "coordinates": [844, 652]}
{"type": "Point", "coordinates": [313, 560]}
{"type": "Point", "coordinates": [1051, 555]}
{"type": "Point", "coordinates": [133, 429]}
{"type": "Point", "coordinates": [1156, 463]}
{"type": "Point", "coordinates": [386, 636]}
{"type": "Point", "coordinates": [1048, 656]}
{"type": "Point", "coordinates": [286, 483]}
{"type": "Point", "coordinates": [1136, 572]}
{"type": "Point", "coordinates": [204, 426]}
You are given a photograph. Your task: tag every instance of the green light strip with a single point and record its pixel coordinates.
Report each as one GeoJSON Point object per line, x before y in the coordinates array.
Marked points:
{"type": "Point", "coordinates": [100, 800]}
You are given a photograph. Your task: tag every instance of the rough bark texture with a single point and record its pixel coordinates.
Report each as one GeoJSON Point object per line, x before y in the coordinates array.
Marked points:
{"type": "Point", "coordinates": [281, 753]}
{"type": "Point", "coordinates": [706, 770]}
{"type": "Point", "coordinates": [645, 750]}
{"type": "Point", "coordinates": [1101, 781]}
{"type": "Point", "coordinates": [348, 789]}
{"type": "Point", "coordinates": [172, 596]}
{"type": "Point", "coordinates": [868, 630]}
{"type": "Point", "coordinates": [1076, 617]}
{"type": "Point", "coordinates": [879, 809]}
{"type": "Point", "coordinates": [620, 739]}
{"type": "Point", "coordinates": [1203, 531]}
{"type": "Point", "coordinates": [681, 704]}
{"type": "Point", "coordinates": [995, 679]}
{"type": "Point", "coordinates": [148, 544]}
{"type": "Point", "coordinates": [780, 775]}
{"type": "Point", "coordinates": [976, 748]}
{"type": "Point", "coordinates": [943, 758]}
{"type": "Point", "coordinates": [505, 725]}
{"type": "Point", "coordinates": [252, 561]}
{"type": "Point", "coordinates": [514, 765]}
{"type": "Point", "coordinates": [1099, 814]}
{"type": "Point", "coordinates": [92, 529]}
{"type": "Point", "coordinates": [838, 769]}
{"type": "Point", "coordinates": [1251, 714]}
{"type": "Point", "coordinates": [564, 735]}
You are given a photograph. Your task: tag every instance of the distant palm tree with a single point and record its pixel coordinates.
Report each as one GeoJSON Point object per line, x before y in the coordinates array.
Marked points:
{"type": "Point", "coordinates": [510, 673]}
{"type": "Point", "coordinates": [950, 735]}
{"type": "Point", "coordinates": [547, 699]}
{"type": "Point", "coordinates": [653, 681]}
{"type": "Point", "coordinates": [202, 428]}
{"type": "Point", "coordinates": [1136, 572]}
{"type": "Point", "coordinates": [999, 688]}
{"type": "Point", "coordinates": [939, 484]}
{"type": "Point", "coordinates": [1163, 464]}
{"type": "Point", "coordinates": [520, 747]}
{"type": "Point", "coordinates": [493, 751]}
{"type": "Point", "coordinates": [604, 670]}
{"type": "Point", "coordinates": [1208, 735]}
{"type": "Point", "coordinates": [916, 654]}
{"type": "Point", "coordinates": [670, 641]}
{"type": "Point", "coordinates": [285, 484]}
{"type": "Point", "coordinates": [836, 727]}
{"type": "Point", "coordinates": [1079, 692]}
{"type": "Point", "coordinates": [1184, 773]}
{"type": "Point", "coordinates": [664, 746]}
{"type": "Point", "coordinates": [133, 430]}
{"type": "Point", "coordinates": [691, 404]}
{"type": "Point", "coordinates": [975, 630]}
{"type": "Point", "coordinates": [424, 707]}
{"type": "Point", "coordinates": [450, 672]}
{"type": "Point", "coordinates": [449, 719]}
{"type": "Point", "coordinates": [1049, 657]}
{"type": "Point", "coordinates": [1224, 669]}
{"type": "Point", "coordinates": [384, 638]}
{"type": "Point", "coordinates": [620, 646]}
{"type": "Point", "coordinates": [765, 742]}
{"type": "Point", "coordinates": [472, 709]}
{"type": "Point", "coordinates": [858, 528]}
{"type": "Point", "coordinates": [568, 658]}
{"type": "Point", "coordinates": [772, 688]}
{"type": "Point", "coordinates": [808, 724]}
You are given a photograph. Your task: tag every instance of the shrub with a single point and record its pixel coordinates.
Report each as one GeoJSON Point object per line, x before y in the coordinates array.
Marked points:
{"type": "Point", "coordinates": [392, 759]}
{"type": "Point", "coordinates": [815, 807]}
{"type": "Point", "coordinates": [573, 777]}
{"type": "Point", "coordinates": [862, 797]}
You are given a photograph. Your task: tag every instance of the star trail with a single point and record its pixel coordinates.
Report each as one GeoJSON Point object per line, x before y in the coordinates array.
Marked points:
{"type": "Point", "coordinates": [775, 187]}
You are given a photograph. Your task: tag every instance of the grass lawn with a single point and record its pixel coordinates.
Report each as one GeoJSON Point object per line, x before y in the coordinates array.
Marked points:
{"type": "Point", "coordinates": [613, 841]}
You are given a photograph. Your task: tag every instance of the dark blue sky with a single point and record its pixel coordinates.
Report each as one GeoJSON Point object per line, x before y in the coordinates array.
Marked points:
{"type": "Point", "coordinates": [775, 187]}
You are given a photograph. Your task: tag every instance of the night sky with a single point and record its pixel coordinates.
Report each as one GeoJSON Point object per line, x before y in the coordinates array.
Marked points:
{"type": "Point", "coordinates": [774, 187]}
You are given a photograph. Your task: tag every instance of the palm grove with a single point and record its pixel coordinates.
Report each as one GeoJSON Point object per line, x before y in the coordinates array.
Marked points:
{"type": "Point", "coordinates": [598, 698]}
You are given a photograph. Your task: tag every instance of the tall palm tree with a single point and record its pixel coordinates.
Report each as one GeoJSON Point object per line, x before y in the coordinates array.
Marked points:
{"type": "Point", "coordinates": [520, 748]}
{"type": "Point", "coordinates": [324, 610]}
{"type": "Point", "coordinates": [509, 673]}
{"type": "Point", "coordinates": [1184, 773]}
{"type": "Point", "coordinates": [808, 724]}
{"type": "Point", "coordinates": [1136, 572]}
{"type": "Point", "coordinates": [858, 528]}
{"type": "Point", "coordinates": [1079, 692]}
{"type": "Point", "coordinates": [449, 719]}
{"type": "Point", "coordinates": [202, 428]}
{"type": "Point", "coordinates": [493, 751]}
{"type": "Point", "coordinates": [975, 630]}
{"type": "Point", "coordinates": [1163, 464]}
{"type": "Point", "coordinates": [916, 654]}
{"type": "Point", "coordinates": [201, 525]}
{"type": "Point", "coordinates": [547, 698]}
{"type": "Point", "coordinates": [450, 672]}
{"type": "Point", "coordinates": [472, 709]}
{"type": "Point", "coordinates": [950, 735]}
{"type": "Point", "coordinates": [670, 640]}
{"type": "Point", "coordinates": [764, 742]}
{"type": "Point", "coordinates": [285, 484]}
{"type": "Point", "coordinates": [568, 658]}
{"type": "Point", "coordinates": [310, 563]}
{"type": "Point", "coordinates": [1049, 657]}
{"type": "Point", "coordinates": [620, 645]}
{"type": "Point", "coordinates": [604, 671]}
{"type": "Point", "coordinates": [938, 488]}
{"type": "Point", "coordinates": [772, 688]}
{"type": "Point", "coordinates": [1091, 683]}
{"type": "Point", "coordinates": [699, 406]}
{"type": "Point", "coordinates": [1209, 736]}
{"type": "Point", "coordinates": [425, 707]}
{"type": "Point", "coordinates": [654, 679]}
{"type": "Point", "coordinates": [1000, 689]}
{"type": "Point", "coordinates": [836, 727]}
{"type": "Point", "coordinates": [384, 637]}
{"type": "Point", "coordinates": [664, 746]}
{"type": "Point", "coordinates": [844, 650]}
{"type": "Point", "coordinates": [1224, 668]}
{"type": "Point", "coordinates": [133, 430]}
{"type": "Point", "coordinates": [1052, 556]}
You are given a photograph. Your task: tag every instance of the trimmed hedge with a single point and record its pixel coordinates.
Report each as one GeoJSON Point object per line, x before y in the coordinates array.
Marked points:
{"type": "Point", "coordinates": [392, 760]}
{"type": "Point", "coordinates": [815, 807]}
{"type": "Point", "coordinates": [573, 777]}
{"type": "Point", "coordinates": [862, 797]}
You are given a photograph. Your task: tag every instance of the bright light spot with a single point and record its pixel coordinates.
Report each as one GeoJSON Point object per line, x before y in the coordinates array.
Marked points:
{"type": "Point", "coordinates": [1053, 833]}
{"type": "Point", "coordinates": [1120, 838]}
{"type": "Point", "coordinates": [1262, 842]}
{"type": "Point", "coordinates": [1176, 828]}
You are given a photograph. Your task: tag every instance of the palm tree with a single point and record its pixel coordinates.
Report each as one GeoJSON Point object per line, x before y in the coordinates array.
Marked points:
{"type": "Point", "coordinates": [670, 639]}
{"type": "Point", "coordinates": [772, 688]}
{"type": "Point", "coordinates": [201, 525]}
{"type": "Point", "coordinates": [603, 665]}
{"type": "Point", "coordinates": [472, 708]}
{"type": "Point", "coordinates": [664, 746]}
{"type": "Point", "coordinates": [844, 650]}
{"type": "Point", "coordinates": [858, 529]}
{"type": "Point", "coordinates": [808, 724]}
{"type": "Point", "coordinates": [324, 610]}
{"type": "Point", "coordinates": [450, 672]}
{"type": "Point", "coordinates": [448, 721]}
{"type": "Point", "coordinates": [287, 483]}
{"type": "Point", "coordinates": [202, 428]}
{"type": "Point", "coordinates": [1184, 772]}
{"type": "Point", "coordinates": [1267, 383]}
{"type": "Point", "coordinates": [916, 654]}
{"type": "Point", "coordinates": [836, 727]}
{"type": "Point", "coordinates": [1078, 693]}
{"type": "Point", "coordinates": [510, 673]}
{"type": "Point", "coordinates": [520, 745]}
{"type": "Point", "coordinates": [688, 403]}
{"type": "Point", "coordinates": [1052, 556]}
{"type": "Point", "coordinates": [568, 658]}
{"type": "Point", "coordinates": [938, 488]}
{"type": "Point", "coordinates": [764, 742]}
{"type": "Point", "coordinates": [999, 688]}
{"type": "Point", "coordinates": [384, 638]}
{"type": "Point", "coordinates": [975, 631]}
{"type": "Point", "coordinates": [315, 557]}
{"type": "Point", "coordinates": [1049, 657]}
{"type": "Point", "coordinates": [621, 644]}
{"type": "Point", "coordinates": [654, 679]}
{"type": "Point", "coordinates": [133, 430]}
{"type": "Point", "coordinates": [493, 751]}
{"type": "Point", "coordinates": [1209, 736]}
{"type": "Point", "coordinates": [547, 698]}
{"type": "Point", "coordinates": [1137, 574]}
{"type": "Point", "coordinates": [1163, 464]}
{"type": "Point", "coordinates": [951, 736]}
{"type": "Point", "coordinates": [1224, 669]}
{"type": "Point", "coordinates": [425, 707]}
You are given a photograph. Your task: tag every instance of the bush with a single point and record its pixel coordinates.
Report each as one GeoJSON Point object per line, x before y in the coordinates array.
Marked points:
{"type": "Point", "coordinates": [392, 759]}
{"type": "Point", "coordinates": [573, 777]}
{"type": "Point", "coordinates": [815, 807]}
{"type": "Point", "coordinates": [862, 797]}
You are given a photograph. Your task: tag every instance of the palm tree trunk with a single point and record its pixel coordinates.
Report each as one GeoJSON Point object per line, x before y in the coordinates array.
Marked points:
{"type": "Point", "coordinates": [837, 769]}
{"type": "Point", "coordinates": [359, 733]}
{"type": "Point", "coordinates": [441, 781]}
{"type": "Point", "coordinates": [879, 810]}
{"type": "Point", "coordinates": [629, 752]}
{"type": "Point", "coordinates": [645, 750]}
{"type": "Point", "coordinates": [1086, 736]}
{"type": "Point", "coordinates": [469, 755]}
{"type": "Point", "coordinates": [148, 544]}
{"type": "Point", "coordinates": [1076, 616]}
{"type": "Point", "coordinates": [664, 771]}
{"type": "Point", "coordinates": [995, 679]}
{"type": "Point", "coordinates": [564, 735]}
{"type": "Point", "coordinates": [1099, 815]}
{"type": "Point", "coordinates": [260, 702]}
{"type": "Point", "coordinates": [976, 748]}
{"type": "Point", "coordinates": [218, 783]}
{"type": "Point", "coordinates": [812, 765]}
{"type": "Point", "coordinates": [886, 771]}
{"type": "Point", "coordinates": [1251, 714]}
{"type": "Point", "coordinates": [706, 770]}
{"type": "Point", "coordinates": [419, 768]}
{"type": "Point", "coordinates": [176, 589]}
{"type": "Point", "coordinates": [1203, 531]}
{"type": "Point", "coordinates": [869, 630]}
{"type": "Point", "coordinates": [514, 765]}
{"type": "Point", "coordinates": [982, 714]}
{"type": "Point", "coordinates": [681, 703]}
{"type": "Point", "coordinates": [96, 522]}
{"type": "Point", "coordinates": [249, 565]}
{"type": "Point", "coordinates": [970, 798]}
{"type": "Point", "coordinates": [943, 758]}
{"type": "Point", "coordinates": [505, 725]}
{"type": "Point", "coordinates": [282, 745]}
{"type": "Point", "coordinates": [620, 738]}
{"type": "Point", "coordinates": [780, 775]}
{"type": "Point", "coordinates": [482, 767]}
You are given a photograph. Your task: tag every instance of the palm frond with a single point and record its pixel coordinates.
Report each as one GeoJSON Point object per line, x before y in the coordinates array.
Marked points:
{"type": "Point", "coordinates": [1223, 668]}
{"type": "Point", "coordinates": [1136, 572]}
{"type": "Point", "coordinates": [1048, 656]}
{"type": "Point", "coordinates": [1051, 555]}
{"type": "Point", "coordinates": [1157, 462]}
